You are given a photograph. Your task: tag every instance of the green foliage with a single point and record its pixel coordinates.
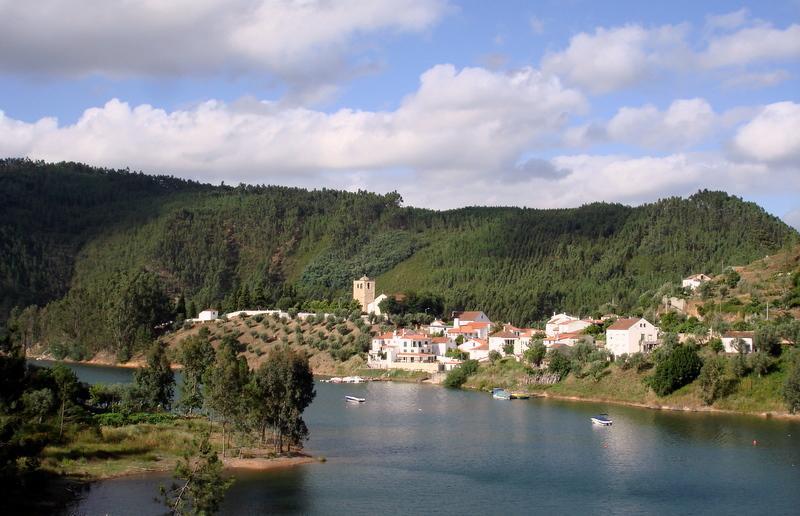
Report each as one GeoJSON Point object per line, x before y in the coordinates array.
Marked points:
{"type": "Point", "coordinates": [458, 376]}
{"type": "Point", "coordinates": [761, 363]}
{"type": "Point", "coordinates": [559, 362]}
{"type": "Point", "coordinates": [678, 368]}
{"type": "Point", "coordinates": [791, 387]}
{"type": "Point", "coordinates": [767, 340]}
{"type": "Point", "coordinates": [82, 239]}
{"type": "Point", "coordinates": [225, 382]}
{"type": "Point", "coordinates": [121, 419]}
{"type": "Point", "coordinates": [196, 355]}
{"type": "Point", "coordinates": [715, 345]}
{"type": "Point", "coordinates": [535, 354]}
{"type": "Point", "coordinates": [712, 379]}
{"type": "Point", "coordinates": [200, 485]}
{"type": "Point", "coordinates": [494, 356]}
{"type": "Point", "coordinates": [280, 390]}
{"type": "Point", "coordinates": [155, 383]}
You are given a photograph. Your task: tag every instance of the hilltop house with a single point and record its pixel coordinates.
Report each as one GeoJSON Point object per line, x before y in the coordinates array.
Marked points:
{"type": "Point", "coordinates": [731, 339]}
{"type": "Point", "coordinates": [631, 336]}
{"type": "Point", "coordinates": [437, 326]}
{"type": "Point", "coordinates": [563, 339]}
{"type": "Point", "coordinates": [208, 315]}
{"type": "Point", "coordinates": [461, 318]}
{"type": "Point", "coordinates": [477, 349]}
{"type": "Point", "coordinates": [563, 323]}
{"type": "Point", "coordinates": [694, 281]}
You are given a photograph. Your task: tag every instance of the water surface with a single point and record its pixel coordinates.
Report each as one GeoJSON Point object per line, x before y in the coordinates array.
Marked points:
{"type": "Point", "coordinates": [416, 449]}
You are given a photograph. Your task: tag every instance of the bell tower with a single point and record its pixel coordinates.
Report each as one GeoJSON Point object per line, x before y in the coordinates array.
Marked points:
{"type": "Point", "coordinates": [364, 291]}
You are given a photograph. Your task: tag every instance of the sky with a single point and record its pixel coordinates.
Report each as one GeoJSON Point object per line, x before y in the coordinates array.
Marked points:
{"type": "Point", "coordinates": [451, 103]}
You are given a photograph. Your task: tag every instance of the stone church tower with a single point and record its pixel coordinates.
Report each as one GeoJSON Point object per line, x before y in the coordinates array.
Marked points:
{"type": "Point", "coordinates": [364, 291]}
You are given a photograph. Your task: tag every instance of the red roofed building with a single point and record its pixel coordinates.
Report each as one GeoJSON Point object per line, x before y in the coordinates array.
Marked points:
{"type": "Point", "coordinates": [633, 335]}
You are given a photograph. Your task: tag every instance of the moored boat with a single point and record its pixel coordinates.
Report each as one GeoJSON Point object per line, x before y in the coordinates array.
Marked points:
{"type": "Point", "coordinates": [355, 399]}
{"type": "Point", "coordinates": [501, 394]}
{"type": "Point", "coordinates": [602, 420]}
{"type": "Point", "coordinates": [520, 395]}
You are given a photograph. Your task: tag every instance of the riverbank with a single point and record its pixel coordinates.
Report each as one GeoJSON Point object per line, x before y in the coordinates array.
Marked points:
{"type": "Point", "coordinates": [92, 454]}
{"type": "Point", "coordinates": [752, 395]}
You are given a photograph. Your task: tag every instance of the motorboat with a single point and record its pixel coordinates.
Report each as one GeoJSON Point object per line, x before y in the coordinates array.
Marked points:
{"type": "Point", "coordinates": [501, 394]}
{"type": "Point", "coordinates": [520, 395]}
{"type": "Point", "coordinates": [355, 399]}
{"type": "Point", "coordinates": [602, 420]}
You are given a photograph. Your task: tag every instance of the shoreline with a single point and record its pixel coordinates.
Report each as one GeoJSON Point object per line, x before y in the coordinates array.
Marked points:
{"type": "Point", "coordinates": [230, 464]}
{"type": "Point", "coordinates": [100, 361]}
{"type": "Point", "coordinates": [669, 408]}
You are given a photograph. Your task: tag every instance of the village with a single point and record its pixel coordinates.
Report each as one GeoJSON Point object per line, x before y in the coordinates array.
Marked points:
{"type": "Point", "coordinates": [471, 335]}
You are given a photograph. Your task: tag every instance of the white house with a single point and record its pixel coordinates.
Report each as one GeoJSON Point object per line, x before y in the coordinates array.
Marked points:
{"type": "Point", "coordinates": [730, 338]}
{"type": "Point", "coordinates": [374, 307]}
{"type": "Point", "coordinates": [631, 336]}
{"type": "Point", "coordinates": [208, 315]}
{"type": "Point", "coordinates": [694, 281]}
{"type": "Point", "coordinates": [437, 326]}
{"type": "Point", "coordinates": [498, 341]}
{"type": "Point", "coordinates": [461, 318]}
{"type": "Point", "coordinates": [477, 349]}
{"type": "Point", "coordinates": [564, 323]}
{"type": "Point", "coordinates": [403, 350]}
{"type": "Point", "coordinates": [563, 339]}
{"type": "Point", "coordinates": [478, 330]}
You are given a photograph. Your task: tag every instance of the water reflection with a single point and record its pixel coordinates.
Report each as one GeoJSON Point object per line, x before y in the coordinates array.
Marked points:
{"type": "Point", "coordinates": [419, 449]}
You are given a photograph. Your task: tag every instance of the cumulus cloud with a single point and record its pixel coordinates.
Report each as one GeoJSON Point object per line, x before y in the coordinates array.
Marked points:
{"type": "Point", "coordinates": [457, 125]}
{"type": "Point", "coordinates": [684, 123]}
{"type": "Point", "coordinates": [752, 44]}
{"type": "Point", "coordinates": [758, 79]}
{"type": "Point", "coordinates": [302, 42]}
{"type": "Point", "coordinates": [772, 136]}
{"type": "Point", "coordinates": [615, 58]}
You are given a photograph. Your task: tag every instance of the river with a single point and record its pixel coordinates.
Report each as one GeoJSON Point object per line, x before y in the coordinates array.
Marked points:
{"type": "Point", "coordinates": [419, 449]}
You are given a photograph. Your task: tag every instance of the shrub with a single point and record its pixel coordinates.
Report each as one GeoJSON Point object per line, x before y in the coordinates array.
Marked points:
{"type": "Point", "coordinates": [761, 363]}
{"type": "Point", "coordinates": [791, 388]}
{"type": "Point", "coordinates": [712, 379]}
{"type": "Point", "coordinates": [680, 367]}
{"type": "Point", "coordinates": [456, 377]}
{"type": "Point", "coordinates": [558, 363]}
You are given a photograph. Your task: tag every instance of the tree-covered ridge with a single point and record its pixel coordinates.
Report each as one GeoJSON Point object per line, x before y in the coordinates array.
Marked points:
{"type": "Point", "coordinates": [98, 235]}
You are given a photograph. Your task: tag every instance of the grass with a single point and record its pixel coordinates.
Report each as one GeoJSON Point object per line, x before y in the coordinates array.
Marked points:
{"type": "Point", "coordinates": [104, 452]}
{"type": "Point", "coordinates": [394, 374]}
{"type": "Point", "coordinates": [751, 394]}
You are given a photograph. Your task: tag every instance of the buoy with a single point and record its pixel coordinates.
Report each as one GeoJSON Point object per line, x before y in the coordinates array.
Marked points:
{"type": "Point", "coordinates": [755, 443]}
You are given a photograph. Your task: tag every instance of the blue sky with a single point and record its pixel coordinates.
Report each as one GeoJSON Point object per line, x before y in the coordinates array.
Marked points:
{"type": "Point", "coordinates": [452, 103]}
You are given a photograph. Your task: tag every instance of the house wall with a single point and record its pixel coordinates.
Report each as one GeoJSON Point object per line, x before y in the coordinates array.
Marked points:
{"type": "Point", "coordinates": [727, 343]}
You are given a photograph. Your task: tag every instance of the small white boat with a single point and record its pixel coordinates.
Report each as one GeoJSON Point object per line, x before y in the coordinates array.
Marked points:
{"type": "Point", "coordinates": [602, 420]}
{"type": "Point", "coordinates": [354, 399]}
{"type": "Point", "coordinates": [501, 394]}
{"type": "Point", "coordinates": [336, 379]}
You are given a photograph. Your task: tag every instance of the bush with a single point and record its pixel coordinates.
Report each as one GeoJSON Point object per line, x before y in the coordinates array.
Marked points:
{"type": "Point", "coordinates": [791, 388]}
{"type": "Point", "coordinates": [761, 363]}
{"type": "Point", "coordinates": [712, 379]}
{"type": "Point", "coordinates": [558, 363]}
{"type": "Point", "coordinates": [456, 377]}
{"type": "Point", "coordinates": [680, 367]}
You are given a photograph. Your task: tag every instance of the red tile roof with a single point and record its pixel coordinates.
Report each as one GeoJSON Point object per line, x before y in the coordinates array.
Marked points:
{"type": "Point", "coordinates": [505, 335]}
{"type": "Point", "coordinates": [739, 334]}
{"type": "Point", "coordinates": [440, 340]}
{"type": "Point", "coordinates": [624, 324]}
{"type": "Point", "coordinates": [469, 315]}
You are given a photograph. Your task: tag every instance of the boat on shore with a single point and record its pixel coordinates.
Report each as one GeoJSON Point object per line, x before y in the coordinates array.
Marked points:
{"type": "Point", "coordinates": [355, 399]}
{"type": "Point", "coordinates": [520, 395]}
{"type": "Point", "coordinates": [602, 420]}
{"type": "Point", "coordinates": [501, 394]}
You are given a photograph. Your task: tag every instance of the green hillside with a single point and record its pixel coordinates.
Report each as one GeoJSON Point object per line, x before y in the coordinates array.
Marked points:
{"type": "Point", "coordinates": [90, 245]}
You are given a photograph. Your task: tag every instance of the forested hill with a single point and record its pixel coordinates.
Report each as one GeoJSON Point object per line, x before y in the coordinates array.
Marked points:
{"type": "Point", "coordinates": [89, 241]}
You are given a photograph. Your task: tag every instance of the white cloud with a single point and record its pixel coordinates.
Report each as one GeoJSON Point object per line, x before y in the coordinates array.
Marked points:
{"type": "Point", "coordinates": [615, 58]}
{"type": "Point", "coordinates": [299, 41]}
{"type": "Point", "coordinates": [458, 124]}
{"type": "Point", "coordinates": [537, 25]}
{"type": "Point", "coordinates": [752, 44]}
{"type": "Point", "coordinates": [684, 123]}
{"type": "Point", "coordinates": [758, 79]}
{"type": "Point", "coordinates": [772, 136]}
{"type": "Point", "coordinates": [727, 21]}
